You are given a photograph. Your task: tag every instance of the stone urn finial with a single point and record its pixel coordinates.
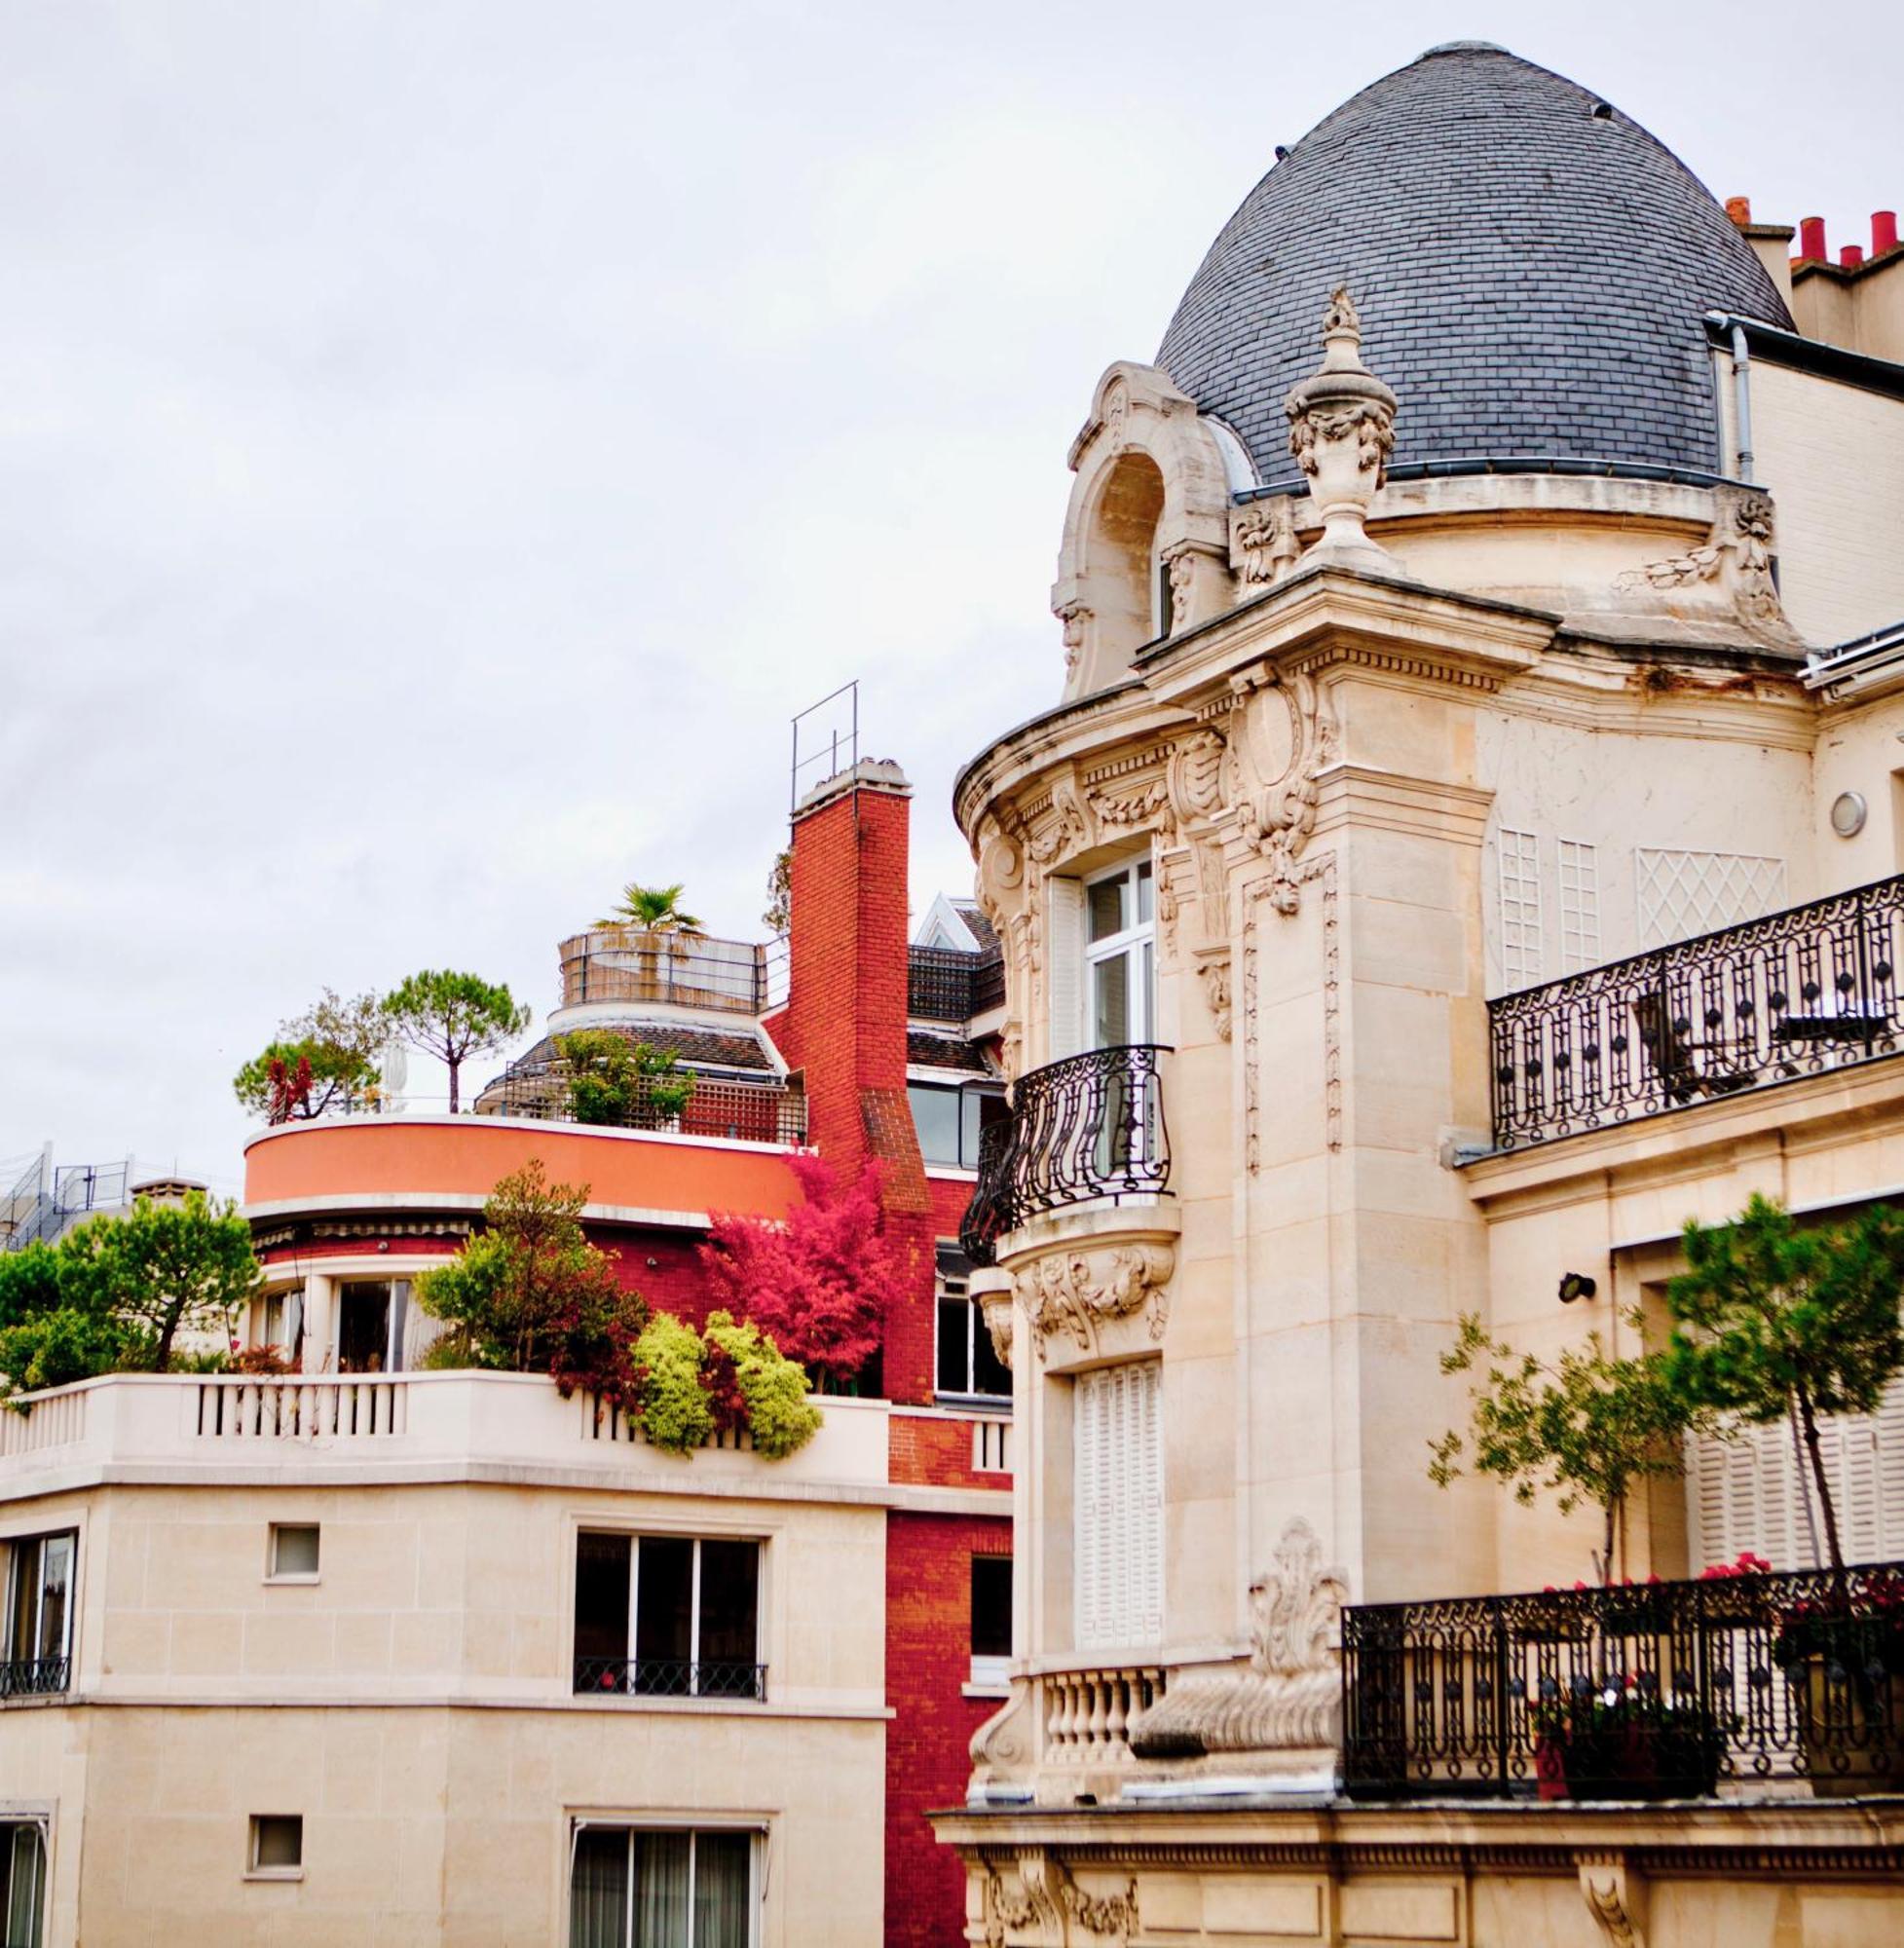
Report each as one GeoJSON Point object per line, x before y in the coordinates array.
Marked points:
{"type": "Point", "coordinates": [1341, 433]}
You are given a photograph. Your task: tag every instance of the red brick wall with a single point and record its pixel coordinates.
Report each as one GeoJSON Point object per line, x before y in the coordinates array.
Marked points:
{"type": "Point", "coordinates": [929, 1452]}
{"type": "Point", "coordinates": [844, 1027]}
{"type": "Point", "coordinates": [928, 1660]}
{"type": "Point", "coordinates": [950, 1197]}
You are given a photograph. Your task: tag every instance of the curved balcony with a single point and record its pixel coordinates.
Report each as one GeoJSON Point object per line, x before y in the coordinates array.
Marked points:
{"type": "Point", "coordinates": [1087, 1129]}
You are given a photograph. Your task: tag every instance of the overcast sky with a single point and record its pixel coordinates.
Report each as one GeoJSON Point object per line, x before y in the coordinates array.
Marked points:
{"type": "Point", "coordinates": [443, 444]}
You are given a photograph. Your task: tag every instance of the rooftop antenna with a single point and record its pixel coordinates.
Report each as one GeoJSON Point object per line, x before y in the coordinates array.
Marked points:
{"type": "Point", "coordinates": [820, 733]}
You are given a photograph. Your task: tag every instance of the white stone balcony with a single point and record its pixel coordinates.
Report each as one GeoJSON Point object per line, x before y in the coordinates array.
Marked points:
{"type": "Point", "coordinates": [401, 1427]}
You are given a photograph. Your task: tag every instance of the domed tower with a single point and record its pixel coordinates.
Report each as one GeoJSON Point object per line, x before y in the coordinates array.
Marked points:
{"type": "Point", "coordinates": [1420, 899]}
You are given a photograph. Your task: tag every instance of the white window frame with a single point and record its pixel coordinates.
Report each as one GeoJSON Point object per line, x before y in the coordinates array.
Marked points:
{"type": "Point", "coordinates": [16, 1548]}
{"type": "Point", "coordinates": [757, 1833]}
{"type": "Point", "coordinates": [695, 1538]}
{"type": "Point", "coordinates": [14, 1827]}
{"type": "Point", "coordinates": [1130, 943]}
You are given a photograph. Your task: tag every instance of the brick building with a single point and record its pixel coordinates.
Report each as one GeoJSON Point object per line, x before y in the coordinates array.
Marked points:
{"type": "Point", "coordinates": [577, 1676]}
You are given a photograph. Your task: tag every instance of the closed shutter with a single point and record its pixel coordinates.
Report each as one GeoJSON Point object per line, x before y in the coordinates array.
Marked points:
{"type": "Point", "coordinates": [1748, 1493]}
{"type": "Point", "coordinates": [1064, 964]}
{"type": "Point", "coordinates": [1118, 1560]}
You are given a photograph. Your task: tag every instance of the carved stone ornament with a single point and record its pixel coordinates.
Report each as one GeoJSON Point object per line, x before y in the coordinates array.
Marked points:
{"type": "Point", "coordinates": [1276, 814]}
{"type": "Point", "coordinates": [1117, 406]}
{"type": "Point", "coordinates": [1001, 1748]}
{"type": "Point", "coordinates": [1069, 832]}
{"type": "Point", "coordinates": [1037, 1901]}
{"type": "Point", "coordinates": [1145, 804]}
{"type": "Point", "coordinates": [1077, 1291]}
{"type": "Point", "coordinates": [995, 1308]}
{"type": "Point", "coordinates": [1616, 1898]}
{"type": "Point", "coordinates": [1180, 564]}
{"type": "Point", "coordinates": [1263, 547]}
{"type": "Point", "coordinates": [1736, 561]}
{"type": "Point", "coordinates": [1214, 971]}
{"type": "Point", "coordinates": [1291, 1696]}
{"type": "Point", "coordinates": [1341, 434]}
{"type": "Point", "coordinates": [1196, 774]}
{"type": "Point", "coordinates": [1075, 617]}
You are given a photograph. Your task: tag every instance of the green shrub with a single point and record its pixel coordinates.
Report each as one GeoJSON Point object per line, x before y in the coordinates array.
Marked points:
{"type": "Point", "coordinates": [676, 1412]}
{"type": "Point", "coordinates": [773, 1388]}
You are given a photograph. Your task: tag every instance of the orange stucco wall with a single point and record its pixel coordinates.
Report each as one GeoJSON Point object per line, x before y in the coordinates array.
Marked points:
{"type": "Point", "coordinates": [424, 1156]}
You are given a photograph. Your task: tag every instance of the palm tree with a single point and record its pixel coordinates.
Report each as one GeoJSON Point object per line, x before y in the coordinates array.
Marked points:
{"type": "Point", "coordinates": [653, 909]}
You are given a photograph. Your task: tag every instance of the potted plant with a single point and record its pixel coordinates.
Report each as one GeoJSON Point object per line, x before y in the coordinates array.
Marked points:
{"type": "Point", "coordinates": [1619, 1737]}
{"type": "Point", "coordinates": [1842, 1651]}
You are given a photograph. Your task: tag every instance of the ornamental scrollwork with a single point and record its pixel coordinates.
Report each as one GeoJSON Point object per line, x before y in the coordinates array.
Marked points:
{"type": "Point", "coordinates": [1196, 774]}
{"type": "Point", "coordinates": [1737, 558]}
{"type": "Point", "coordinates": [1263, 546]}
{"type": "Point", "coordinates": [1112, 1916]}
{"type": "Point", "coordinates": [1279, 816]}
{"type": "Point", "coordinates": [1214, 973]}
{"type": "Point", "coordinates": [1076, 1292]}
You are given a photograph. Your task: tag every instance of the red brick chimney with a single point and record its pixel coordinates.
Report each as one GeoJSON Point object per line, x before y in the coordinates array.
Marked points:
{"type": "Point", "coordinates": [844, 1024]}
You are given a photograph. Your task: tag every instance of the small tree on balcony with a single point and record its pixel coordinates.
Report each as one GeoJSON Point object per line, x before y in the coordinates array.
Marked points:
{"type": "Point", "coordinates": [453, 1016]}
{"type": "Point", "coordinates": [1778, 1320]}
{"type": "Point", "coordinates": [617, 1081]}
{"type": "Point", "coordinates": [1587, 1428]}
{"type": "Point", "coordinates": [323, 1060]}
{"type": "Point", "coordinates": [821, 1283]}
{"type": "Point", "coordinates": [529, 1294]}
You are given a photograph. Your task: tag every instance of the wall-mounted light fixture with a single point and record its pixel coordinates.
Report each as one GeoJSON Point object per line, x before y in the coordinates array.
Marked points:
{"type": "Point", "coordinates": [1849, 811]}
{"type": "Point", "coordinates": [1576, 1285]}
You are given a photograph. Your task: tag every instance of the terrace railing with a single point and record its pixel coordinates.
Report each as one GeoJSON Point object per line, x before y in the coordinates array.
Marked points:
{"type": "Point", "coordinates": [724, 1107]}
{"type": "Point", "coordinates": [1089, 1127]}
{"type": "Point", "coordinates": [1794, 993]}
{"type": "Point", "coordinates": [34, 1676]}
{"type": "Point", "coordinates": [631, 963]}
{"type": "Point", "coordinates": [946, 984]}
{"type": "Point", "coordinates": [1657, 1690]}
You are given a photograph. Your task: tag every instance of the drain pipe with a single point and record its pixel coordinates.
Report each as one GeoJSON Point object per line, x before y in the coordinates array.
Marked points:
{"type": "Point", "coordinates": [1741, 390]}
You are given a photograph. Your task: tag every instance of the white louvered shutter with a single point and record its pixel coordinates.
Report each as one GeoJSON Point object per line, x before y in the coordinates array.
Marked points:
{"type": "Point", "coordinates": [1064, 964]}
{"type": "Point", "coordinates": [1747, 1494]}
{"type": "Point", "coordinates": [1119, 1508]}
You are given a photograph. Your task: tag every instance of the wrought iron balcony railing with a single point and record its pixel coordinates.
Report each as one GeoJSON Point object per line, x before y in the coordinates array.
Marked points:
{"type": "Point", "coordinates": [668, 1677]}
{"type": "Point", "coordinates": [34, 1676]}
{"type": "Point", "coordinates": [1654, 1689]}
{"type": "Point", "coordinates": [1091, 1126]}
{"type": "Point", "coordinates": [1797, 993]}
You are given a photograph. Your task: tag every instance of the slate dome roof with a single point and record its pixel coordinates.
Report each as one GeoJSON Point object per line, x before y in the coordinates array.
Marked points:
{"type": "Point", "coordinates": [1531, 268]}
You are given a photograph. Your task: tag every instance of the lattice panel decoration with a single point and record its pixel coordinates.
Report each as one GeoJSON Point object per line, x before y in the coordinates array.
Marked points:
{"type": "Point", "coordinates": [1580, 906]}
{"type": "Point", "coordinates": [1518, 859]}
{"type": "Point", "coordinates": [1681, 894]}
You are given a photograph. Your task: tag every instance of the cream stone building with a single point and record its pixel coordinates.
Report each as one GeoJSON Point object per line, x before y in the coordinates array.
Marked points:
{"type": "Point", "coordinates": [1467, 844]}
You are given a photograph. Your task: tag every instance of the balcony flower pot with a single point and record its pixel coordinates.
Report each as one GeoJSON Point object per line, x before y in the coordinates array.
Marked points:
{"type": "Point", "coordinates": [1844, 1656]}
{"type": "Point", "coordinates": [1622, 1745]}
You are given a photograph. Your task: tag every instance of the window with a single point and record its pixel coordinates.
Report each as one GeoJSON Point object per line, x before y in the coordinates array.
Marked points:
{"type": "Point", "coordinates": [667, 1615]}
{"type": "Point", "coordinates": [967, 1364]}
{"type": "Point", "coordinates": [1519, 861]}
{"type": "Point", "coordinates": [277, 1849]}
{"type": "Point", "coordinates": [293, 1552]}
{"type": "Point", "coordinates": [630, 1889]}
{"type": "Point", "coordinates": [37, 1655]}
{"type": "Point", "coordinates": [992, 1619]}
{"type": "Point", "coordinates": [281, 1320]}
{"type": "Point", "coordinates": [952, 1121]}
{"type": "Point", "coordinates": [1120, 955]}
{"type": "Point", "coordinates": [22, 1883]}
{"type": "Point", "coordinates": [371, 1315]}
{"type": "Point", "coordinates": [1118, 1503]}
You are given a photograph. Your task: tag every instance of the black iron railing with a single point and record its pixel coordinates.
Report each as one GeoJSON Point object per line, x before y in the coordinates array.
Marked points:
{"type": "Point", "coordinates": [944, 984]}
{"type": "Point", "coordinates": [1797, 993]}
{"type": "Point", "coordinates": [1658, 1690]}
{"type": "Point", "coordinates": [34, 1676]}
{"type": "Point", "coordinates": [766, 1111]}
{"type": "Point", "coordinates": [668, 1677]}
{"type": "Point", "coordinates": [1091, 1126]}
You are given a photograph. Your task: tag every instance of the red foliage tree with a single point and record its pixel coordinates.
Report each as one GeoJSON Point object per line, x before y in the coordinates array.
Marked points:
{"type": "Point", "coordinates": [818, 1285]}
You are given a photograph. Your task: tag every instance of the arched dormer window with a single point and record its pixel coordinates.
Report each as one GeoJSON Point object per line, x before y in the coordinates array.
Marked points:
{"type": "Point", "coordinates": [1126, 570]}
